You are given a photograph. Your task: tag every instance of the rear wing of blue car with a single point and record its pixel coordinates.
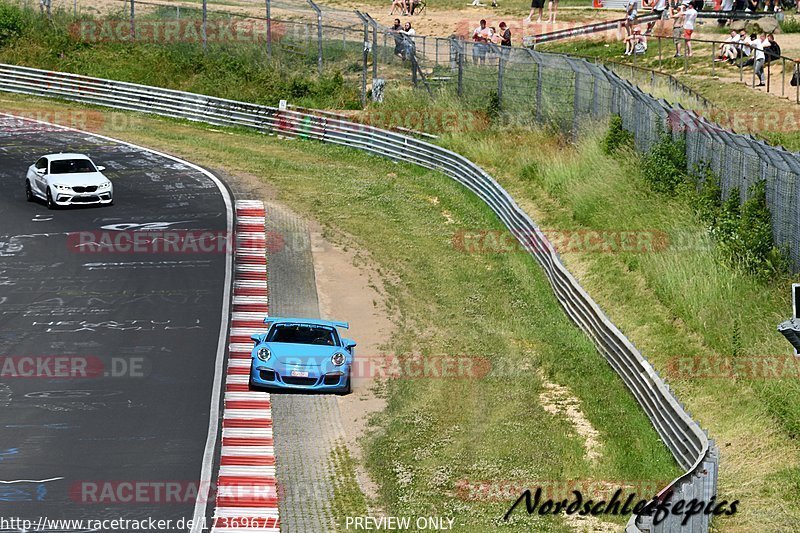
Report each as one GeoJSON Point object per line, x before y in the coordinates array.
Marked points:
{"type": "Point", "coordinates": [310, 321]}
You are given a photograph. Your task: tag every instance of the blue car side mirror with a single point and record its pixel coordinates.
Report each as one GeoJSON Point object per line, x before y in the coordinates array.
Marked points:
{"type": "Point", "coordinates": [256, 338]}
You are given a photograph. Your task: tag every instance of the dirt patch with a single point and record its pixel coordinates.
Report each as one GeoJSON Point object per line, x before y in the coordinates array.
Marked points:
{"type": "Point", "coordinates": [354, 293]}
{"type": "Point", "coordinates": [559, 401]}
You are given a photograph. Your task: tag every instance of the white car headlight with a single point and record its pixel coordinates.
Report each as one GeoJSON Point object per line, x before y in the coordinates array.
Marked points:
{"type": "Point", "coordinates": [62, 187]}
{"type": "Point", "coordinates": [106, 185]}
{"type": "Point", "coordinates": [264, 354]}
{"type": "Point", "coordinates": [338, 359]}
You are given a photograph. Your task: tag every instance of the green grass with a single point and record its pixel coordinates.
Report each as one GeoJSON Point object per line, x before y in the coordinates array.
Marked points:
{"type": "Point", "coordinates": [347, 499]}
{"type": "Point", "coordinates": [678, 302]}
{"type": "Point", "coordinates": [239, 70]}
{"type": "Point", "coordinates": [436, 433]}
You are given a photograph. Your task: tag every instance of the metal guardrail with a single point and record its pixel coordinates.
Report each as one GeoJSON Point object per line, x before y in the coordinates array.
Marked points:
{"type": "Point", "coordinates": [683, 436]}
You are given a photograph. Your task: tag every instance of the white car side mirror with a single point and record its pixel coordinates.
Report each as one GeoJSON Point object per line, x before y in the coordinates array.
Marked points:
{"type": "Point", "coordinates": [101, 168]}
{"type": "Point", "coordinates": [40, 171]}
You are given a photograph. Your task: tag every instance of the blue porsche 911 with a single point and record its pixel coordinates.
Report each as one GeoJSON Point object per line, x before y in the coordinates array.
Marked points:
{"type": "Point", "coordinates": [302, 353]}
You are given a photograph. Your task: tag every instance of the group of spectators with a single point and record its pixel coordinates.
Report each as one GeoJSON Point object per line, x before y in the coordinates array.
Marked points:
{"type": "Point", "coordinates": [756, 50]}
{"type": "Point", "coordinates": [403, 39]}
{"type": "Point", "coordinates": [406, 7]}
{"type": "Point", "coordinates": [482, 36]}
{"type": "Point", "coordinates": [745, 50]}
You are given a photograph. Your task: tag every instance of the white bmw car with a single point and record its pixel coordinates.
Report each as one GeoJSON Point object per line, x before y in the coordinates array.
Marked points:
{"type": "Point", "coordinates": [68, 179]}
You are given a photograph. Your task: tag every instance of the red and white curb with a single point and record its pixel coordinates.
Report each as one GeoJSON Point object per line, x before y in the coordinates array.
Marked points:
{"type": "Point", "coordinates": [247, 496]}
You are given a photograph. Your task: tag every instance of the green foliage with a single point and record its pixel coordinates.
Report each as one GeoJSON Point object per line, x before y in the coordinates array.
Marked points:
{"type": "Point", "coordinates": [664, 166]}
{"type": "Point", "coordinates": [743, 232]}
{"type": "Point", "coordinates": [494, 106]}
{"type": "Point", "coordinates": [239, 71]}
{"type": "Point", "coordinates": [12, 23]}
{"type": "Point", "coordinates": [790, 25]}
{"type": "Point", "coordinates": [616, 137]}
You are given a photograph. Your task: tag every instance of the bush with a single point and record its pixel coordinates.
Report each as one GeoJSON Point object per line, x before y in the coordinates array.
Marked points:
{"type": "Point", "coordinates": [616, 137]}
{"type": "Point", "coordinates": [743, 233]}
{"type": "Point", "coordinates": [790, 25]}
{"type": "Point", "coordinates": [664, 166]}
{"type": "Point", "coordinates": [12, 23]}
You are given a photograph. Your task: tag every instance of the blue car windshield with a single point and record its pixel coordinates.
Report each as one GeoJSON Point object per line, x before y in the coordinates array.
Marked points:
{"type": "Point", "coordinates": [303, 334]}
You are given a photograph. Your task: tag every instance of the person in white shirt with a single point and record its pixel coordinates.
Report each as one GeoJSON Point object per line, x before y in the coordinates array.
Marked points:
{"type": "Point", "coordinates": [758, 45]}
{"type": "Point", "coordinates": [410, 45]}
{"type": "Point", "coordinates": [689, 18]}
{"type": "Point", "coordinates": [727, 50]}
{"type": "Point", "coordinates": [658, 9]}
{"type": "Point", "coordinates": [480, 36]}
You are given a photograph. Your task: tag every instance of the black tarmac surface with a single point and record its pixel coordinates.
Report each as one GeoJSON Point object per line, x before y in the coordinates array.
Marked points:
{"type": "Point", "coordinates": [114, 446]}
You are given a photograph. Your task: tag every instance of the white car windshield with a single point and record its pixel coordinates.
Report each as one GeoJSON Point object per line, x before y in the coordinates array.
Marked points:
{"type": "Point", "coordinates": [71, 166]}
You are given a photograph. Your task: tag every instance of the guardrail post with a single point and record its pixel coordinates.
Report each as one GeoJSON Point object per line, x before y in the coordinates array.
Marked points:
{"type": "Point", "coordinates": [269, 28]}
{"type": "Point", "coordinates": [318, 11]}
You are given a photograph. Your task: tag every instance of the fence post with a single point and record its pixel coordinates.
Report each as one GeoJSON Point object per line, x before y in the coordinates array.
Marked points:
{"type": "Point", "coordinates": [768, 69]}
{"type": "Point", "coordinates": [205, 19]}
{"type": "Point", "coordinates": [366, 58]}
{"type": "Point", "coordinates": [659, 53]}
{"type": "Point", "coordinates": [783, 76]}
{"type": "Point", "coordinates": [318, 11]}
{"type": "Point", "coordinates": [500, 72]}
{"type": "Point", "coordinates": [133, 18]}
{"type": "Point", "coordinates": [713, 63]}
{"type": "Point", "coordinates": [374, 51]}
{"type": "Point", "coordinates": [436, 60]}
{"type": "Point", "coordinates": [741, 63]}
{"type": "Point", "coordinates": [460, 52]}
{"type": "Point", "coordinates": [269, 27]}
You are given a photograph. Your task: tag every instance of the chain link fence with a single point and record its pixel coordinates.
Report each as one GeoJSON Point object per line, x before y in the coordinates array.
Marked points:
{"type": "Point", "coordinates": [521, 85]}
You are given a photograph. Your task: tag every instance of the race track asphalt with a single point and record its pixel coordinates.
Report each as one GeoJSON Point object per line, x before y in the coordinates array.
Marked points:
{"type": "Point", "coordinates": [153, 318]}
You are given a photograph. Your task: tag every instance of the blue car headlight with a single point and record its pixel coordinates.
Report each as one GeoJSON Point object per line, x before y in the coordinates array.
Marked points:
{"type": "Point", "coordinates": [338, 359]}
{"type": "Point", "coordinates": [264, 354]}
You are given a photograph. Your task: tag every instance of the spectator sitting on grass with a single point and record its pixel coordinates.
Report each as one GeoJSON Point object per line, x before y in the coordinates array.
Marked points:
{"type": "Point", "coordinates": [399, 4]}
{"type": "Point", "coordinates": [635, 43]}
{"type": "Point", "coordinates": [747, 49]}
{"type": "Point", "coordinates": [727, 50]}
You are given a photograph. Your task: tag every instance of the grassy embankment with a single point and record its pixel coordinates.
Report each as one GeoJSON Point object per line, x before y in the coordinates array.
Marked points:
{"type": "Point", "coordinates": [436, 433]}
